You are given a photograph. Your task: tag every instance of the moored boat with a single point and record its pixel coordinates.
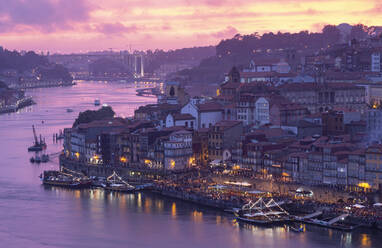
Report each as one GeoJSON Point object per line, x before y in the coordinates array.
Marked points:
{"type": "Point", "coordinates": [262, 213]}
{"type": "Point", "coordinates": [117, 184]}
{"type": "Point", "coordinates": [38, 145]}
{"type": "Point", "coordinates": [61, 179]}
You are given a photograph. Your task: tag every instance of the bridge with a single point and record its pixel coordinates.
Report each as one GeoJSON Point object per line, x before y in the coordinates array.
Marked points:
{"type": "Point", "coordinates": [338, 218]}
{"type": "Point", "coordinates": [309, 216]}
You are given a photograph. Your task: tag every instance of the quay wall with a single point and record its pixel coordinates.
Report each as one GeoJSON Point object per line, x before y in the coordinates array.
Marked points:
{"type": "Point", "coordinates": [322, 194]}
{"type": "Point", "coordinates": [132, 174]}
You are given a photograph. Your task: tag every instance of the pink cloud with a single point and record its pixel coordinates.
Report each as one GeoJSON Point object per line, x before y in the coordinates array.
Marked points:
{"type": "Point", "coordinates": [45, 15]}
{"type": "Point", "coordinates": [228, 32]}
{"type": "Point", "coordinates": [116, 28]}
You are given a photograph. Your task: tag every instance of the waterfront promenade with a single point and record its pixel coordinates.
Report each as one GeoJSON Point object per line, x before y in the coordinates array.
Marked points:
{"type": "Point", "coordinates": [225, 192]}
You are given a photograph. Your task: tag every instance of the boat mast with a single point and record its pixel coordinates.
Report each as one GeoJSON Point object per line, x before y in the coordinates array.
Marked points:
{"type": "Point", "coordinates": [35, 136]}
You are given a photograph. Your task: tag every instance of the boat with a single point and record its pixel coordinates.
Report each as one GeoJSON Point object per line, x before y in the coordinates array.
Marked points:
{"type": "Point", "coordinates": [62, 179]}
{"type": "Point", "coordinates": [334, 223]}
{"type": "Point", "coordinates": [294, 228]}
{"type": "Point", "coordinates": [38, 145]}
{"type": "Point", "coordinates": [116, 184]}
{"type": "Point", "coordinates": [262, 213]}
{"type": "Point", "coordinates": [37, 159]}
{"type": "Point", "coordinates": [45, 158]}
{"type": "Point", "coordinates": [69, 110]}
{"type": "Point", "coordinates": [97, 102]}
{"type": "Point", "coordinates": [98, 181]}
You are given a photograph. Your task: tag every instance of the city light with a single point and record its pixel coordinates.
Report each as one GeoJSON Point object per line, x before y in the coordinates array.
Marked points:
{"type": "Point", "coordinates": [364, 185]}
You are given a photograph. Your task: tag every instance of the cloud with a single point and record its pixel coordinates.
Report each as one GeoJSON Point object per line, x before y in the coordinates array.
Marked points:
{"type": "Point", "coordinates": [116, 28]}
{"type": "Point", "coordinates": [317, 27]}
{"type": "Point", "coordinates": [228, 32]}
{"type": "Point", "coordinates": [45, 15]}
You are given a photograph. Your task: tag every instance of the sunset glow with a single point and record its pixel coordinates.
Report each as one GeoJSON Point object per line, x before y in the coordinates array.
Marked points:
{"type": "Point", "coordinates": [83, 25]}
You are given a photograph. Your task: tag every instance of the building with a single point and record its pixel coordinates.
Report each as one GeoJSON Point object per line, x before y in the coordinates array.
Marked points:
{"type": "Point", "coordinates": [222, 138]}
{"type": "Point", "coordinates": [252, 110]}
{"type": "Point", "coordinates": [320, 97]}
{"type": "Point", "coordinates": [178, 153]}
{"type": "Point", "coordinates": [83, 142]}
{"type": "Point", "coordinates": [283, 112]}
{"type": "Point", "coordinates": [206, 114]}
{"type": "Point", "coordinates": [156, 112]}
{"type": "Point", "coordinates": [373, 167]}
{"type": "Point", "coordinates": [333, 123]}
{"type": "Point", "coordinates": [374, 123]}
{"type": "Point", "coordinates": [181, 120]}
{"type": "Point", "coordinates": [174, 93]}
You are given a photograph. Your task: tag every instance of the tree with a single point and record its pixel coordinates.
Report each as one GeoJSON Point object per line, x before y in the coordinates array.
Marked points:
{"type": "Point", "coordinates": [358, 32]}
{"type": "Point", "coordinates": [94, 115]}
{"type": "Point", "coordinates": [331, 34]}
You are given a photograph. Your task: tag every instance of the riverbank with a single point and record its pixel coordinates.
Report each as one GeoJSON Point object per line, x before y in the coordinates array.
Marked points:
{"type": "Point", "coordinates": [44, 84]}
{"type": "Point", "coordinates": [226, 193]}
{"type": "Point", "coordinates": [22, 103]}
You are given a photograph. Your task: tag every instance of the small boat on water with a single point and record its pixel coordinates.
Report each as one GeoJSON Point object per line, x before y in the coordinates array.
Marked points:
{"type": "Point", "coordinates": [45, 158]}
{"type": "Point", "coordinates": [261, 213]}
{"type": "Point", "coordinates": [97, 102]}
{"type": "Point", "coordinates": [294, 228]}
{"type": "Point", "coordinates": [98, 181]}
{"type": "Point", "coordinates": [37, 159]}
{"type": "Point", "coordinates": [61, 179]}
{"type": "Point", "coordinates": [117, 184]}
{"type": "Point", "coordinates": [69, 110]}
{"type": "Point", "coordinates": [38, 145]}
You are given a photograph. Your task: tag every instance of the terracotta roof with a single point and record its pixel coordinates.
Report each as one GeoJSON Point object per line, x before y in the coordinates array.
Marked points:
{"type": "Point", "coordinates": [115, 122]}
{"type": "Point", "coordinates": [230, 85]}
{"type": "Point", "coordinates": [316, 86]}
{"type": "Point", "coordinates": [210, 107]}
{"type": "Point", "coordinates": [227, 124]}
{"type": "Point", "coordinates": [266, 74]}
{"type": "Point", "coordinates": [266, 61]}
{"type": "Point", "coordinates": [183, 117]}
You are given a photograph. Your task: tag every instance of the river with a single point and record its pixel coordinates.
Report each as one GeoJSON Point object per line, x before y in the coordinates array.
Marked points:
{"type": "Point", "coordinates": [32, 215]}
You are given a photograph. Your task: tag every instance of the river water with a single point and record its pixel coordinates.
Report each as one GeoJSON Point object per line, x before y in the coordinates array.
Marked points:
{"type": "Point", "coordinates": [32, 215]}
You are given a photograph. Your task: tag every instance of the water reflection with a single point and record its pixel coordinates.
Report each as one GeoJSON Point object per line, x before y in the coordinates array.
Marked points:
{"type": "Point", "coordinates": [36, 216]}
{"type": "Point", "coordinates": [173, 210]}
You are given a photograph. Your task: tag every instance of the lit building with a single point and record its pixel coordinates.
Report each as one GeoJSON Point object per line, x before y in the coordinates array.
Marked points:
{"type": "Point", "coordinates": [373, 167]}
{"type": "Point", "coordinates": [178, 150]}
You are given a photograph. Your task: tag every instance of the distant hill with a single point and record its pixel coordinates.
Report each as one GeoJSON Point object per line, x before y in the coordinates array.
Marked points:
{"type": "Point", "coordinates": [191, 55]}
{"type": "Point", "coordinates": [240, 49]}
{"type": "Point", "coordinates": [33, 64]}
{"type": "Point", "coordinates": [107, 66]}
{"type": "Point", "coordinates": [20, 62]}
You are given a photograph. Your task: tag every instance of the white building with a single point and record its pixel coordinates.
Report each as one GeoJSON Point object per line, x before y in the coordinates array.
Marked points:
{"type": "Point", "coordinates": [78, 146]}
{"type": "Point", "coordinates": [181, 120]}
{"type": "Point", "coordinates": [178, 150]}
{"type": "Point", "coordinates": [252, 110]}
{"type": "Point", "coordinates": [268, 65]}
{"type": "Point", "coordinates": [206, 115]}
{"type": "Point", "coordinates": [262, 111]}
{"type": "Point", "coordinates": [375, 62]}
